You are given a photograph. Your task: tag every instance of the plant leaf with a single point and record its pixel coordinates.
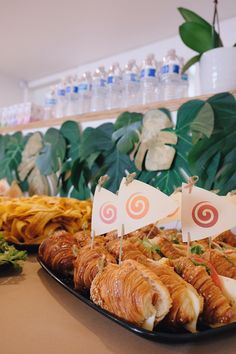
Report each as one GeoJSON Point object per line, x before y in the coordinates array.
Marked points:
{"type": "Point", "coordinates": [126, 137]}
{"type": "Point", "coordinates": [96, 139]}
{"type": "Point", "coordinates": [191, 62]}
{"type": "Point", "coordinates": [190, 16]}
{"type": "Point", "coordinates": [169, 180]}
{"type": "Point", "coordinates": [127, 118]}
{"type": "Point", "coordinates": [196, 36]}
{"type": "Point", "coordinates": [204, 156]}
{"type": "Point", "coordinates": [203, 124]}
{"type": "Point", "coordinates": [71, 131]}
{"type": "Point", "coordinates": [116, 164]}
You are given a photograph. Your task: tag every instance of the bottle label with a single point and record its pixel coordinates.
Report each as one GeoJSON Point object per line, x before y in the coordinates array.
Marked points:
{"type": "Point", "coordinates": [175, 69]}
{"type": "Point", "coordinates": [102, 83]}
{"type": "Point", "coordinates": [83, 87]}
{"type": "Point", "coordinates": [61, 92]}
{"type": "Point", "coordinates": [68, 89]}
{"type": "Point", "coordinates": [165, 69]}
{"type": "Point", "coordinates": [172, 69]}
{"type": "Point", "coordinates": [51, 101]}
{"type": "Point", "coordinates": [150, 72]}
{"type": "Point", "coordinates": [133, 77]}
{"type": "Point", "coordinates": [75, 89]}
{"type": "Point", "coordinates": [110, 79]}
{"type": "Point", "coordinates": [184, 77]}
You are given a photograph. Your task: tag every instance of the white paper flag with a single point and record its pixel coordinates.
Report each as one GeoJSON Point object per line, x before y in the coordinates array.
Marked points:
{"type": "Point", "coordinates": [104, 213]}
{"type": "Point", "coordinates": [140, 204]}
{"type": "Point", "coordinates": [176, 215]}
{"type": "Point", "coordinates": [205, 214]}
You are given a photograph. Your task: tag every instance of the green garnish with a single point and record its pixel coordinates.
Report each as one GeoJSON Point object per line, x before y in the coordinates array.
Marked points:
{"type": "Point", "coordinates": [196, 263]}
{"type": "Point", "coordinates": [197, 249]}
{"type": "Point", "coordinates": [9, 254]}
{"type": "Point", "coordinates": [149, 246]}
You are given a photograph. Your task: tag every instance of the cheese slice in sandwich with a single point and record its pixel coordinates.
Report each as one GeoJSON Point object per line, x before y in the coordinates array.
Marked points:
{"type": "Point", "coordinates": [187, 304]}
{"type": "Point", "coordinates": [229, 290]}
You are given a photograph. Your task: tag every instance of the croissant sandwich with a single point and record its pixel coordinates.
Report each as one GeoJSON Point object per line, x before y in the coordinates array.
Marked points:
{"type": "Point", "coordinates": [87, 264]}
{"type": "Point", "coordinates": [187, 304]}
{"type": "Point", "coordinates": [223, 265]}
{"type": "Point", "coordinates": [57, 252]}
{"type": "Point", "coordinates": [217, 309]}
{"type": "Point", "coordinates": [132, 292]}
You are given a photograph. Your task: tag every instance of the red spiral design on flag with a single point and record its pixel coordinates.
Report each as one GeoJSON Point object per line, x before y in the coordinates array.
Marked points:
{"type": "Point", "coordinates": [108, 213]}
{"type": "Point", "coordinates": [204, 214]}
{"type": "Point", "coordinates": [137, 206]}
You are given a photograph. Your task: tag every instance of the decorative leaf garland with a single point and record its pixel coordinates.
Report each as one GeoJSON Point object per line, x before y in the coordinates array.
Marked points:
{"type": "Point", "coordinates": [206, 146]}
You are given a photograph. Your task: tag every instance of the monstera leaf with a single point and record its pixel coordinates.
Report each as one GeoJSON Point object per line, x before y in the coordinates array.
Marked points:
{"type": "Point", "coordinates": [52, 154]}
{"type": "Point", "coordinates": [28, 170]}
{"type": "Point", "coordinates": [11, 147]}
{"type": "Point", "coordinates": [96, 140]}
{"type": "Point", "coordinates": [71, 132]}
{"type": "Point", "coordinates": [169, 180]}
{"type": "Point", "coordinates": [116, 165]}
{"type": "Point", "coordinates": [152, 148]}
{"type": "Point", "coordinates": [127, 131]}
{"type": "Point", "coordinates": [213, 158]}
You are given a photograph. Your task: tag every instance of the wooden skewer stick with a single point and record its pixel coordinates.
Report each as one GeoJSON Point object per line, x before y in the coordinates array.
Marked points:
{"type": "Point", "coordinates": [189, 246]}
{"type": "Point", "coordinates": [92, 237]}
{"type": "Point", "coordinates": [102, 180]}
{"type": "Point", "coordinates": [121, 242]}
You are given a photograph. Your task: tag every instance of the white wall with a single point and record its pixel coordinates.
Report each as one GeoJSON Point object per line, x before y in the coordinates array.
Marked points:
{"type": "Point", "coordinates": [228, 29]}
{"type": "Point", "coordinates": [10, 91]}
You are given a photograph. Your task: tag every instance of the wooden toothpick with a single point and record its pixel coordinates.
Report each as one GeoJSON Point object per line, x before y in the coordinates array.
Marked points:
{"type": "Point", "coordinates": [189, 245]}
{"type": "Point", "coordinates": [102, 180]}
{"type": "Point", "coordinates": [92, 236]}
{"type": "Point", "coordinates": [130, 177]}
{"type": "Point", "coordinates": [191, 182]}
{"type": "Point", "coordinates": [121, 242]}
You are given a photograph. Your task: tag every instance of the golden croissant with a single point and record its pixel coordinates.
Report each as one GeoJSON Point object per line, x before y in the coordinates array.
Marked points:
{"type": "Point", "coordinates": [132, 292]}
{"type": "Point", "coordinates": [57, 252]}
{"type": "Point", "coordinates": [87, 264]}
{"type": "Point", "coordinates": [186, 303]}
{"type": "Point", "coordinates": [217, 309]}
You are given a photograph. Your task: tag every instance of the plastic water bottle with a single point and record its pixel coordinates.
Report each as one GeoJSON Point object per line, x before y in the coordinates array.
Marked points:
{"type": "Point", "coordinates": [74, 95]}
{"type": "Point", "coordinates": [61, 99]}
{"type": "Point", "coordinates": [170, 75]}
{"type": "Point", "coordinates": [148, 80]}
{"type": "Point", "coordinates": [184, 83]}
{"type": "Point", "coordinates": [98, 101]}
{"type": "Point", "coordinates": [114, 86]}
{"type": "Point", "coordinates": [69, 109]}
{"type": "Point", "coordinates": [49, 106]}
{"type": "Point", "coordinates": [85, 87]}
{"type": "Point", "coordinates": [131, 84]}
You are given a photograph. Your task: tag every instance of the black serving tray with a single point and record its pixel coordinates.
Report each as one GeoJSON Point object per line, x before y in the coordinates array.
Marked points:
{"type": "Point", "coordinates": [158, 335]}
{"type": "Point", "coordinates": [25, 247]}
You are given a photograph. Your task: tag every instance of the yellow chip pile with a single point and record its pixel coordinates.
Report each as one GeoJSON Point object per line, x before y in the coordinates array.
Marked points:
{"type": "Point", "coordinates": [31, 220]}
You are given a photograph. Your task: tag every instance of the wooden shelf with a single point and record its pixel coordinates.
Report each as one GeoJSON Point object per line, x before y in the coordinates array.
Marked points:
{"type": "Point", "coordinates": [172, 105]}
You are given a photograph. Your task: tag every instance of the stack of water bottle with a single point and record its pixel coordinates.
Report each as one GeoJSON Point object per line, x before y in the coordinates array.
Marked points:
{"type": "Point", "coordinates": [22, 113]}
{"type": "Point", "coordinates": [153, 81]}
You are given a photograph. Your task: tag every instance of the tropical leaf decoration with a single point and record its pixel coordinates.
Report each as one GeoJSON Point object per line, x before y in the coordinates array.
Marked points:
{"type": "Point", "coordinates": [28, 170]}
{"type": "Point", "coordinates": [70, 162]}
{"type": "Point", "coordinates": [153, 151]}
{"type": "Point", "coordinates": [212, 158]}
{"type": "Point", "coordinates": [71, 132]}
{"type": "Point", "coordinates": [11, 147]}
{"type": "Point", "coordinates": [127, 131]}
{"type": "Point", "coordinates": [52, 154]}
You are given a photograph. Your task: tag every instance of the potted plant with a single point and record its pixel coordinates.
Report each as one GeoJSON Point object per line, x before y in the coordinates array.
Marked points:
{"type": "Point", "coordinates": [217, 63]}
